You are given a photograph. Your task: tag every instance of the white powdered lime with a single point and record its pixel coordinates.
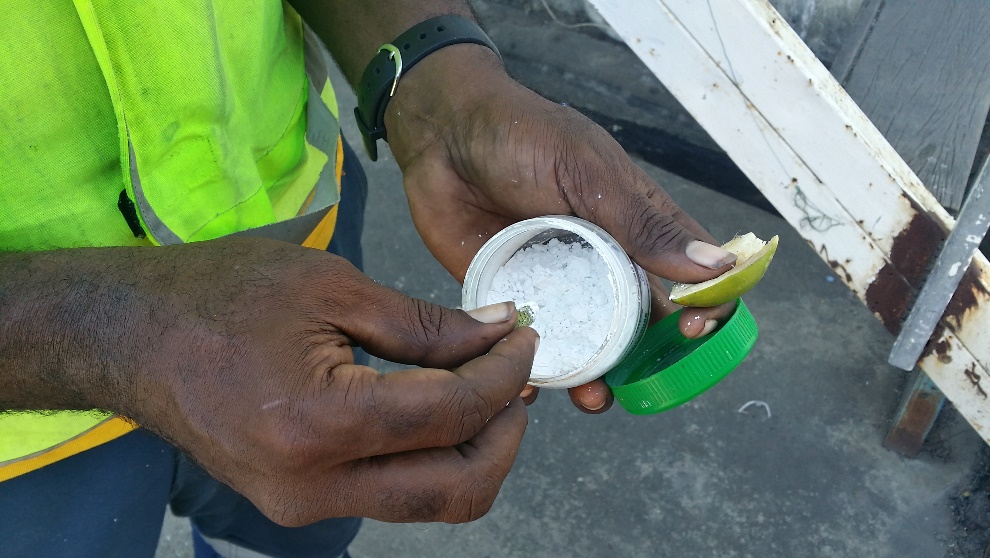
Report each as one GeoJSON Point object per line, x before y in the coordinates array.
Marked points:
{"type": "Point", "coordinates": [569, 282]}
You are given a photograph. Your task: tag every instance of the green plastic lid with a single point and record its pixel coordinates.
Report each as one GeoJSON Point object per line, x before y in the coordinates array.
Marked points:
{"type": "Point", "coordinates": [667, 369]}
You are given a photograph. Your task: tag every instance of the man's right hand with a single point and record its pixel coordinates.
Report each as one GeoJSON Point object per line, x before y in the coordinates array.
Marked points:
{"type": "Point", "coordinates": [239, 352]}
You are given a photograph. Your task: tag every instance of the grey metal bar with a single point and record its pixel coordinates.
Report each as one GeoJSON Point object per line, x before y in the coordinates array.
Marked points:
{"type": "Point", "coordinates": [964, 240]}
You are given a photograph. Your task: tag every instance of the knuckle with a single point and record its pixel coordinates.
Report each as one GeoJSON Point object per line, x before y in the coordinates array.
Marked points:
{"type": "Point", "coordinates": [430, 318]}
{"type": "Point", "coordinates": [468, 410]}
{"type": "Point", "coordinates": [283, 509]}
{"type": "Point", "coordinates": [288, 518]}
{"type": "Point", "coordinates": [377, 406]}
{"type": "Point", "coordinates": [364, 410]}
{"type": "Point", "coordinates": [473, 499]}
{"type": "Point", "coordinates": [287, 444]}
{"type": "Point", "coordinates": [575, 172]}
{"type": "Point", "coordinates": [451, 420]}
{"type": "Point", "coordinates": [406, 422]}
{"type": "Point", "coordinates": [422, 505]}
{"type": "Point", "coordinates": [653, 230]}
{"type": "Point", "coordinates": [356, 393]}
{"type": "Point", "coordinates": [426, 322]}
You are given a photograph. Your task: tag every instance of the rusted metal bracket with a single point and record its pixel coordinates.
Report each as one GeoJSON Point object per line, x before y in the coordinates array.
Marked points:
{"type": "Point", "coordinates": [953, 261]}
{"type": "Point", "coordinates": [915, 416]}
{"type": "Point", "coordinates": [923, 401]}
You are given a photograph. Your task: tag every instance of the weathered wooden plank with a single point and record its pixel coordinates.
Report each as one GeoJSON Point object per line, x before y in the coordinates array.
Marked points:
{"type": "Point", "coordinates": [923, 78]}
{"type": "Point", "coordinates": [859, 30]}
{"type": "Point", "coordinates": [764, 97]}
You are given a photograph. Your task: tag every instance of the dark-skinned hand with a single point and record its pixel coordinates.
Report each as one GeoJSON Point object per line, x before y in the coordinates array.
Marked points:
{"type": "Point", "coordinates": [478, 152]}
{"type": "Point", "coordinates": [239, 351]}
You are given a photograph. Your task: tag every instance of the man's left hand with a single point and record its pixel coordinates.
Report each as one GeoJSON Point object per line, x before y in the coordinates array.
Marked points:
{"type": "Point", "coordinates": [478, 152]}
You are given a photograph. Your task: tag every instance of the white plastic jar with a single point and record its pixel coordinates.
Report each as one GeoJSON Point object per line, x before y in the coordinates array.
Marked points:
{"type": "Point", "coordinates": [630, 288]}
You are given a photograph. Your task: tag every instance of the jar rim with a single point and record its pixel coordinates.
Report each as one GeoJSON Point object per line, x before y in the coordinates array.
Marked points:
{"type": "Point", "coordinates": [630, 289]}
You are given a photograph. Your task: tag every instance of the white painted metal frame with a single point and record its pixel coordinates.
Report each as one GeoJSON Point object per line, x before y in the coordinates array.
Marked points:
{"type": "Point", "coordinates": [758, 90]}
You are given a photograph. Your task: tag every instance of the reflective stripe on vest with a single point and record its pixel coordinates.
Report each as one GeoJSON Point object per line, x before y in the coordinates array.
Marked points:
{"type": "Point", "coordinates": [293, 196]}
{"type": "Point", "coordinates": [170, 213]}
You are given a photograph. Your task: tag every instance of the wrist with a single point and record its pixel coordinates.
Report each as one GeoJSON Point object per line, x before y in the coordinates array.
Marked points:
{"type": "Point", "coordinates": [434, 98]}
{"type": "Point", "coordinates": [62, 319]}
{"type": "Point", "coordinates": [422, 42]}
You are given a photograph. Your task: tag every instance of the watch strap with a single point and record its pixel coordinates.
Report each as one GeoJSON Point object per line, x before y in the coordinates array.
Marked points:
{"type": "Point", "coordinates": [380, 78]}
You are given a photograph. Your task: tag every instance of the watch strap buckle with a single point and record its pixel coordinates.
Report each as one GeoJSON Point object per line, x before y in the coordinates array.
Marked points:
{"type": "Point", "coordinates": [381, 78]}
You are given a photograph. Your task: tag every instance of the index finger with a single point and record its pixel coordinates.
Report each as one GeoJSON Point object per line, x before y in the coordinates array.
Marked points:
{"type": "Point", "coordinates": [656, 232]}
{"type": "Point", "coordinates": [424, 408]}
{"type": "Point", "coordinates": [602, 184]}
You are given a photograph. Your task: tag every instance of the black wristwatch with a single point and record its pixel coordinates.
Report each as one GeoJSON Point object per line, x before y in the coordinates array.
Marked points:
{"type": "Point", "coordinates": [382, 75]}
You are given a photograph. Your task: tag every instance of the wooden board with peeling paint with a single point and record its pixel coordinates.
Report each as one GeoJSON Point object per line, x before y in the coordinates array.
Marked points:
{"type": "Point", "coordinates": [761, 94]}
{"type": "Point", "coordinates": [921, 71]}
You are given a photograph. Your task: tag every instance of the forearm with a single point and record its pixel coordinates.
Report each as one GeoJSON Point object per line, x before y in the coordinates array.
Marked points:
{"type": "Point", "coordinates": [66, 337]}
{"type": "Point", "coordinates": [354, 29]}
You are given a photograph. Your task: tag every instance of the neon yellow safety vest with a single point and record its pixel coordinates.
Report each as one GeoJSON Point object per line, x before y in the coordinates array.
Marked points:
{"type": "Point", "coordinates": [129, 122]}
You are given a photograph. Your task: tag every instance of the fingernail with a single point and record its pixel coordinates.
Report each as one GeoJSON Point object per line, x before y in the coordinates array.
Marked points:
{"type": "Point", "coordinates": [709, 255]}
{"type": "Point", "coordinates": [526, 391]}
{"type": "Point", "coordinates": [594, 392]}
{"type": "Point", "coordinates": [493, 313]}
{"type": "Point", "coordinates": [599, 406]}
{"type": "Point", "coordinates": [709, 327]}
{"type": "Point", "coordinates": [537, 343]}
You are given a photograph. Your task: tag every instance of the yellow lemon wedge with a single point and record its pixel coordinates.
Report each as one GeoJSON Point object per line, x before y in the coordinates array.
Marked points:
{"type": "Point", "coordinates": [752, 259]}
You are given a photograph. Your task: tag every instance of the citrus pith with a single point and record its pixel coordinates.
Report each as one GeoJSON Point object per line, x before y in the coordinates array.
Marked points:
{"type": "Point", "coordinates": [753, 256]}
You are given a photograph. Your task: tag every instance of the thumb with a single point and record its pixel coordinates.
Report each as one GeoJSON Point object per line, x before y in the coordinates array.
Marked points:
{"type": "Point", "coordinates": [395, 327]}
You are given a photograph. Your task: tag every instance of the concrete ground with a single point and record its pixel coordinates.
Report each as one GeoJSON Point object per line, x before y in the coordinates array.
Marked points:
{"type": "Point", "coordinates": [705, 479]}
{"type": "Point", "coordinates": [807, 479]}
